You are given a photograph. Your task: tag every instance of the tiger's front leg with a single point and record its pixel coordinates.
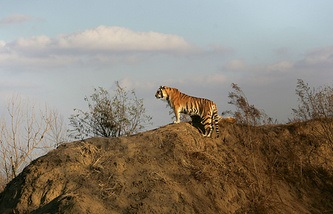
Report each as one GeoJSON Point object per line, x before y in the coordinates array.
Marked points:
{"type": "Point", "coordinates": [177, 114]}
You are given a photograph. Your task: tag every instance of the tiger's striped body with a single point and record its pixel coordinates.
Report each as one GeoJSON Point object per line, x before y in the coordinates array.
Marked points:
{"type": "Point", "coordinates": [182, 103]}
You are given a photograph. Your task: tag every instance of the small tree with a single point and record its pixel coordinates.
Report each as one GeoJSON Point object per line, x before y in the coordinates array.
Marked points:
{"type": "Point", "coordinates": [109, 116]}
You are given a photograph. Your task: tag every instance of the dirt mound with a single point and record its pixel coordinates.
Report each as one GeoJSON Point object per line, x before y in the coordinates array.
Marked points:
{"type": "Point", "coordinates": [173, 169]}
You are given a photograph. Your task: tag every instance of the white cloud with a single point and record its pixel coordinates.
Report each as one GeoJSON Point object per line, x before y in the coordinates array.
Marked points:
{"type": "Point", "coordinates": [36, 42]}
{"type": "Point", "coordinates": [280, 66]}
{"type": "Point", "coordinates": [209, 79]}
{"type": "Point", "coordinates": [2, 43]}
{"type": "Point", "coordinates": [319, 56]}
{"type": "Point", "coordinates": [103, 38]}
{"type": "Point", "coordinates": [235, 65]}
{"type": "Point", "coordinates": [15, 18]}
{"type": "Point", "coordinates": [130, 83]}
{"type": "Point", "coordinates": [216, 78]}
{"type": "Point", "coordinates": [102, 44]}
{"type": "Point", "coordinates": [122, 39]}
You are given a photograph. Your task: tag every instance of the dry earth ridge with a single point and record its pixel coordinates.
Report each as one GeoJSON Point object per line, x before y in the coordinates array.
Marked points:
{"type": "Point", "coordinates": [173, 169]}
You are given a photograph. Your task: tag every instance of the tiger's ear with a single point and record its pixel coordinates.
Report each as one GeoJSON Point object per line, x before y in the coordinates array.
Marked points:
{"type": "Point", "coordinates": [162, 87]}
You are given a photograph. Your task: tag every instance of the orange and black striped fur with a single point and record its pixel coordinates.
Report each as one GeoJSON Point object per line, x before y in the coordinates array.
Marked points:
{"type": "Point", "coordinates": [182, 103]}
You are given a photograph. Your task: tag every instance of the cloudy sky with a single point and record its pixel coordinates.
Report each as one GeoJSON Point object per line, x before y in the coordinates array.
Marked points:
{"type": "Point", "coordinates": [57, 51]}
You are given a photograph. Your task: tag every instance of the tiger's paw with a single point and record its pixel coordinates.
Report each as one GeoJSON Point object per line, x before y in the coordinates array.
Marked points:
{"type": "Point", "coordinates": [176, 121]}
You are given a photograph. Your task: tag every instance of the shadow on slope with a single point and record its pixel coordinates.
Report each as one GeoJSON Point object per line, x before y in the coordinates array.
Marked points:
{"type": "Point", "coordinates": [173, 169]}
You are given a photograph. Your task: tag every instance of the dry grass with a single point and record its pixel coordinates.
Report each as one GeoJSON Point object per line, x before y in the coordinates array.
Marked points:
{"type": "Point", "coordinates": [296, 152]}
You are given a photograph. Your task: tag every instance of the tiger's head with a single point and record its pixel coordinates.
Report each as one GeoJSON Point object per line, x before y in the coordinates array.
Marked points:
{"type": "Point", "coordinates": [161, 93]}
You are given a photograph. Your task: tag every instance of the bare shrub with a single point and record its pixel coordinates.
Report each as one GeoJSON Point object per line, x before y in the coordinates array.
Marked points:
{"type": "Point", "coordinates": [316, 104]}
{"type": "Point", "coordinates": [246, 113]}
{"type": "Point", "coordinates": [313, 103]}
{"type": "Point", "coordinates": [26, 132]}
{"type": "Point", "coordinates": [109, 116]}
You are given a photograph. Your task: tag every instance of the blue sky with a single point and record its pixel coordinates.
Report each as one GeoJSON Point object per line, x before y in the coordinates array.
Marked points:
{"type": "Point", "coordinates": [57, 51]}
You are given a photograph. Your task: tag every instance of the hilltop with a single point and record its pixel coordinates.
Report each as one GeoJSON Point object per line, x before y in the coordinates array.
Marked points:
{"type": "Point", "coordinates": [173, 169]}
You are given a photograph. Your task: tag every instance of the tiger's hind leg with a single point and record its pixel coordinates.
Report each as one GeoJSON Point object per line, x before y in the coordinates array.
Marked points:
{"type": "Point", "coordinates": [207, 122]}
{"type": "Point", "coordinates": [210, 122]}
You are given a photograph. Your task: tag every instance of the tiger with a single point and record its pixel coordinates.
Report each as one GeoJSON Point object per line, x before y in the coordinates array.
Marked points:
{"type": "Point", "coordinates": [193, 106]}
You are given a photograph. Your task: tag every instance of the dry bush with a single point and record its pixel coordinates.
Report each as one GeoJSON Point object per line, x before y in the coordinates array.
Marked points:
{"type": "Point", "coordinates": [109, 116]}
{"type": "Point", "coordinates": [26, 132]}
{"type": "Point", "coordinates": [248, 116]}
{"type": "Point", "coordinates": [316, 104]}
{"type": "Point", "coordinates": [246, 113]}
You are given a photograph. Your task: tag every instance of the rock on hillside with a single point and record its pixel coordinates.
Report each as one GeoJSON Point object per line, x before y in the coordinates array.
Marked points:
{"type": "Point", "coordinates": [173, 169]}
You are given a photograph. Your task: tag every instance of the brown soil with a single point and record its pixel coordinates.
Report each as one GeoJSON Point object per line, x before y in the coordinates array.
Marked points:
{"type": "Point", "coordinates": [173, 169]}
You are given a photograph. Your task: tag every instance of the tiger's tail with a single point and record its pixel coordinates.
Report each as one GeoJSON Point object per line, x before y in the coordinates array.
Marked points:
{"type": "Point", "coordinates": [215, 118]}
